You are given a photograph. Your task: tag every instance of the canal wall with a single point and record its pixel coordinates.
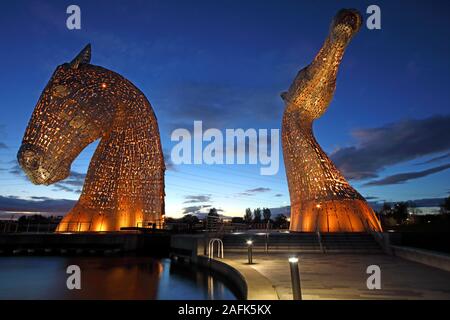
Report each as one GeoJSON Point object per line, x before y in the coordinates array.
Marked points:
{"type": "Point", "coordinates": [187, 246]}
{"type": "Point", "coordinates": [226, 270]}
{"type": "Point", "coordinates": [250, 283]}
{"type": "Point", "coordinates": [146, 243]}
{"type": "Point", "coordinates": [193, 249]}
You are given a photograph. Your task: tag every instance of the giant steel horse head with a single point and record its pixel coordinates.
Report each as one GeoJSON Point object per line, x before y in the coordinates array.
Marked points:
{"type": "Point", "coordinates": [124, 185]}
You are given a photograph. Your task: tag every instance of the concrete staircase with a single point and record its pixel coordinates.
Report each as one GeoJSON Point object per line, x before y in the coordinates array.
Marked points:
{"type": "Point", "coordinates": [350, 242]}
{"type": "Point", "coordinates": [303, 242]}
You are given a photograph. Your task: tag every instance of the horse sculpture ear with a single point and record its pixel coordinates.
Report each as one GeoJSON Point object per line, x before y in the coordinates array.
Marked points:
{"type": "Point", "coordinates": [83, 57]}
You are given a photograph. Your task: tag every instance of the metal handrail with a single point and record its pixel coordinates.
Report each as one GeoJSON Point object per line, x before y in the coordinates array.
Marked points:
{"type": "Point", "coordinates": [319, 239]}
{"type": "Point", "coordinates": [219, 248]}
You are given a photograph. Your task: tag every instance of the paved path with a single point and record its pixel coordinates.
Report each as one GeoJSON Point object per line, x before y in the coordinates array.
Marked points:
{"type": "Point", "coordinates": [342, 276]}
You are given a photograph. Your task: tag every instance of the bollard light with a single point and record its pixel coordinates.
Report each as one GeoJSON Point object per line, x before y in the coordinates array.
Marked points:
{"type": "Point", "coordinates": [293, 260]}
{"type": "Point", "coordinates": [250, 251]}
{"type": "Point", "coordinates": [295, 278]}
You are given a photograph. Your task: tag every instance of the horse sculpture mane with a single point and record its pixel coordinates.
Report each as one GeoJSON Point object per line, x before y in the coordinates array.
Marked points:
{"type": "Point", "coordinates": [321, 198]}
{"type": "Point", "coordinates": [124, 185]}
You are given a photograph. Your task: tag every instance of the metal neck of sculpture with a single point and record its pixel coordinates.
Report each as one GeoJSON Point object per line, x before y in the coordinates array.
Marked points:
{"type": "Point", "coordinates": [124, 185]}
{"type": "Point", "coordinates": [321, 198]}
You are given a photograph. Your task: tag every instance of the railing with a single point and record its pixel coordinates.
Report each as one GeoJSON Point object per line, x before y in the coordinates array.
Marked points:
{"type": "Point", "coordinates": [319, 239]}
{"type": "Point", "coordinates": [30, 227]}
{"type": "Point", "coordinates": [267, 237]}
{"type": "Point", "coordinates": [151, 224]}
{"type": "Point", "coordinates": [75, 227]}
{"type": "Point", "coordinates": [219, 248]}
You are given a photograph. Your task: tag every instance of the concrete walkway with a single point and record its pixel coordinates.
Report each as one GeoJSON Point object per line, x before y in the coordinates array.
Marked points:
{"type": "Point", "coordinates": [340, 276]}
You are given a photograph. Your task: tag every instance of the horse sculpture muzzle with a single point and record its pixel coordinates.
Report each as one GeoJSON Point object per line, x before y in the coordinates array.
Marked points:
{"type": "Point", "coordinates": [31, 159]}
{"type": "Point", "coordinates": [346, 23]}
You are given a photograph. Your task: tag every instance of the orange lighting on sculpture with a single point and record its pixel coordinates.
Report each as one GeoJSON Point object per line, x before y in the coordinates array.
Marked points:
{"type": "Point", "coordinates": [124, 185]}
{"type": "Point", "coordinates": [321, 198]}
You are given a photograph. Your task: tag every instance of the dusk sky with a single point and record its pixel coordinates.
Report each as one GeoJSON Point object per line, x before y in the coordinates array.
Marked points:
{"type": "Point", "coordinates": [226, 63]}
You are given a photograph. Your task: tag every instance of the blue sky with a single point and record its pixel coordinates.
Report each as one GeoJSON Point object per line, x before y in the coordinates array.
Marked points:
{"type": "Point", "coordinates": [225, 63]}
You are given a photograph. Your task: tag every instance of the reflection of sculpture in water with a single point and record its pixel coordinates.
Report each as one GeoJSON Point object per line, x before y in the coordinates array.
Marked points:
{"type": "Point", "coordinates": [321, 198]}
{"type": "Point", "coordinates": [124, 185]}
{"type": "Point", "coordinates": [131, 278]}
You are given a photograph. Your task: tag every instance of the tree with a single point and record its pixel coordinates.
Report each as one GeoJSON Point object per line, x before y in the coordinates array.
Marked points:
{"type": "Point", "coordinates": [413, 208]}
{"type": "Point", "coordinates": [386, 209]}
{"type": "Point", "coordinates": [400, 212]}
{"type": "Point", "coordinates": [445, 206]}
{"type": "Point", "coordinates": [281, 221]}
{"type": "Point", "coordinates": [248, 215]}
{"type": "Point", "coordinates": [266, 214]}
{"type": "Point", "coordinates": [237, 220]}
{"type": "Point", "coordinates": [257, 215]}
{"type": "Point", "coordinates": [35, 218]}
{"type": "Point", "coordinates": [169, 220]}
{"type": "Point", "coordinates": [190, 220]}
{"type": "Point", "coordinates": [213, 212]}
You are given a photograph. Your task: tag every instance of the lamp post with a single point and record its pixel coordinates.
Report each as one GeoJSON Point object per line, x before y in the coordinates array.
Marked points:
{"type": "Point", "coordinates": [295, 278]}
{"type": "Point", "coordinates": [250, 251]}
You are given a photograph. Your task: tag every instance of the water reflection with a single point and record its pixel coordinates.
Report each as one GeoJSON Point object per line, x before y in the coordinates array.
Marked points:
{"type": "Point", "coordinates": [213, 287]}
{"type": "Point", "coordinates": [108, 278]}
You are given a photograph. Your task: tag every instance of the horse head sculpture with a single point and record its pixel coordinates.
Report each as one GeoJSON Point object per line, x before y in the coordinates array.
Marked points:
{"type": "Point", "coordinates": [321, 198]}
{"type": "Point", "coordinates": [124, 185]}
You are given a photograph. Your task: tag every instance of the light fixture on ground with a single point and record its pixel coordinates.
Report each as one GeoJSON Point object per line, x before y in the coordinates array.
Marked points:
{"type": "Point", "coordinates": [295, 278]}
{"type": "Point", "coordinates": [250, 251]}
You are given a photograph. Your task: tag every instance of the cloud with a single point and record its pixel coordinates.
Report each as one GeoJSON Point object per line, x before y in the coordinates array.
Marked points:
{"type": "Point", "coordinates": [40, 198]}
{"type": "Point", "coordinates": [168, 161]}
{"type": "Point", "coordinates": [197, 198]}
{"type": "Point", "coordinates": [251, 192]}
{"type": "Point", "coordinates": [278, 195]}
{"type": "Point", "coordinates": [403, 177]}
{"type": "Point", "coordinates": [17, 170]}
{"type": "Point", "coordinates": [62, 187]}
{"type": "Point", "coordinates": [3, 146]}
{"type": "Point", "coordinates": [436, 159]}
{"type": "Point", "coordinates": [73, 183]}
{"type": "Point", "coordinates": [428, 202]}
{"type": "Point", "coordinates": [35, 204]}
{"type": "Point", "coordinates": [217, 105]}
{"type": "Point", "coordinates": [261, 189]}
{"type": "Point", "coordinates": [195, 209]}
{"type": "Point", "coordinates": [391, 144]}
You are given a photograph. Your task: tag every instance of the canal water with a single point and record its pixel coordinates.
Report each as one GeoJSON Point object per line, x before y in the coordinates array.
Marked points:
{"type": "Point", "coordinates": [45, 277]}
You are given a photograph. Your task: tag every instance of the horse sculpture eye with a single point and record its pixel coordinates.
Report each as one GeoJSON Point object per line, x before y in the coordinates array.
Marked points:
{"type": "Point", "coordinates": [60, 91]}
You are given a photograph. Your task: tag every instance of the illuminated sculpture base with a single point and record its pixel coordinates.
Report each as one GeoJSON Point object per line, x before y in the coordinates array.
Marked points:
{"type": "Point", "coordinates": [333, 216]}
{"type": "Point", "coordinates": [84, 220]}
